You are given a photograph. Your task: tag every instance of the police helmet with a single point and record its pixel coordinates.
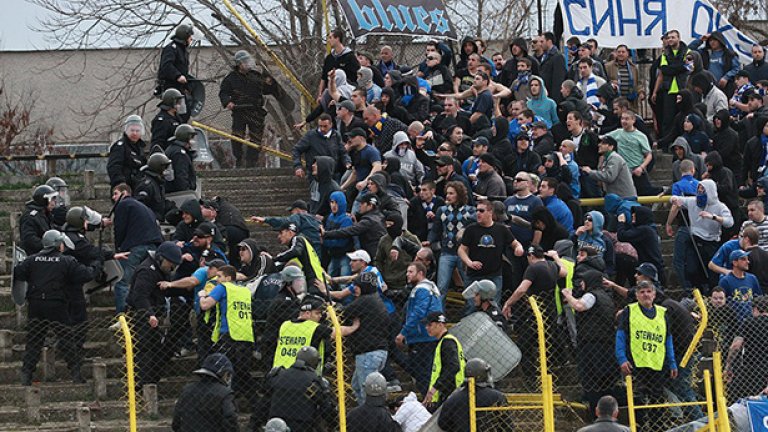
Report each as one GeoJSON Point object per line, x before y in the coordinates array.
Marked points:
{"type": "Point", "coordinates": [53, 238]}
{"type": "Point", "coordinates": [484, 287]}
{"type": "Point", "coordinates": [216, 365]}
{"type": "Point", "coordinates": [43, 195]}
{"type": "Point", "coordinates": [76, 216]}
{"type": "Point", "coordinates": [276, 425]}
{"type": "Point", "coordinates": [478, 369]}
{"type": "Point", "coordinates": [183, 32]}
{"type": "Point", "coordinates": [158, 162]}
{"type": "Point", "coordinates": [170, 97]}
{"type": "Point", "coordinates": [185, 132]}
{"type": "Point", "coordinates": [375, 385]}
{"type": "Point", "coordinates": [309, 356]}
{"type": "Point", "coordinates": [241, 57]}
{"type": "Point", "coordinates": [56, 183]}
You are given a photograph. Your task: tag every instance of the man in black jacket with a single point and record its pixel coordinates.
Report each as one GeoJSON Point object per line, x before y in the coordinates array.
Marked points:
{"type": "Point", "coordinates": [369, 226]}
{"type": "Point", "coordinates": [340, 57]}
{"type": "Point", "coordinates": [150, 187]}
{"type": "Point", "coordinates": [126, 155]}
{"type": "Point", "coordinates": [323, 141]}
{"type": "Point", "coordinates": [297, 395]}
{"type": "Point", "coordinates": [36, 219]}
{"type": "Point", "coordinates": [454, 416]}
{"type": "Point", "coordinates": [301, 249]}
{"type": "Point", "coordinates": [552, 67]}
{"type": "Point", "coordinates": [174, 64]}
{"type": "Point", "coordinates": [136, 231]}
{"type": "Point", "coordinates": [242, 92]}
{"type": "Point", "coordinates": [208, 404]}
{"type": "Point", "coordinates": [146, 302]}
{"type": "Point", "coordinates": [167, 119]}
{"type": "Point", "coordinates": [421, 210]}
{"type": "Point", "coordinates": [182, 155]}
{"type": "Point", "coordinates": [48, 275]}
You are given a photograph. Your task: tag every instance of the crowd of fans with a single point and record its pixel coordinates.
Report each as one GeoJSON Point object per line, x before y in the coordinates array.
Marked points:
{"type": "Point", "coordinates": [465, 171]}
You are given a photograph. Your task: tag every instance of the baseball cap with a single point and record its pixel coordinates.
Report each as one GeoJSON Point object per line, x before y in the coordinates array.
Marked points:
{"type": "Point", "coordinates": [608, 140]}
{"type": "Point", "coordinates": [216, 263]}
{"type": "Point", "coordinates": [359, 254]}
{"type": "Point", "coordinates": [435, 316]}
{"type": "Point", "coordinates": [210, 203]}
{"type": "Point", "coordinates": [444, 160]}
{"type": "Point", "coordinates": [738, 254]}
{"type": "Point", "coordinates": [536, 251]}
{"type": "Point", "coordinates": [489, 158]}
{"type": "Point", "coordinates": [347, 104]}
{"type": "Point", "coordinates": [648, 270]}
{"type": "Point", "coordinates": [290, 226]}
{"type": "Point", "coordinates": [481, 140]}
{"type": "Point", "coordinates": [539, 124]}
{"type": "Point", "coordinates": [742, 73]}
{"type": "Point", "coordinates": [205, 229]}
{"type": "Point", "coordinates": [298, 204]}
{"type": "Point", "coordinates": [311, 303]}
{"type": "Point", "coordinates": [371, 199]}
{"type": "Point", "coordinates": [355, 132]}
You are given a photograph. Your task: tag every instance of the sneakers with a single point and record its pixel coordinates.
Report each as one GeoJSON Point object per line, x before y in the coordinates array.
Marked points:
{"type": "Point", "coordinates": [115, 327]}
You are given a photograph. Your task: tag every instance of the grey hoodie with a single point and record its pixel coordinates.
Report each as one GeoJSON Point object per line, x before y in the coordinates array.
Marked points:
{"type": "Point", "coordinates": [707, 229]}
{"type": "Point", "coordinates": [698, 161]}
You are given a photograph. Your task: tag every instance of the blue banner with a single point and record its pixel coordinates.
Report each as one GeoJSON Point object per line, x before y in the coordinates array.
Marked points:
{"type": "Point", "coordinates": [408, 17]}
{"type": "Point", "coordinates": [758, 415]}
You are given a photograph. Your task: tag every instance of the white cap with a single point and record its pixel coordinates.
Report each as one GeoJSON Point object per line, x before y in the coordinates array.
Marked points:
{"type": "Point", "coordinates": [360, 255]}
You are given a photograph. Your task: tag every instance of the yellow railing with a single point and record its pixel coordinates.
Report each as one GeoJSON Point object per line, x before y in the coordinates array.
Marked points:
{"type": "Point", "coordinates": [243, 141]}
{"type": "Point", "coordinates": [131, 380]}
{"type": "Point", "coordinates": [653, 199]}
{"type": "Point", "coordinates": [699, 331]}
{"type": "Point", "coordinates": [341, 396]}
{"type": "Point", "coordinates": [534, 402]}
{"type": "Point", "coordinates": [723, 425]}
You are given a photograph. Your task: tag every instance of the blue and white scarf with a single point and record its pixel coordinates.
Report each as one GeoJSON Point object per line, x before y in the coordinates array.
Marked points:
{"type": "Point", "coordinates": [590, 92]}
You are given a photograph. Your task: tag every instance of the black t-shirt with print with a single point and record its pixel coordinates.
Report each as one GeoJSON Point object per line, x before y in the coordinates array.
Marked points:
{"type": "Point", "coordinates": [486, 244]}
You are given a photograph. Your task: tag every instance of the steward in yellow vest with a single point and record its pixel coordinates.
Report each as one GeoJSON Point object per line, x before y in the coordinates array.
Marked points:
{"type": "Point", "coordinates": [644, 343]}
{"type": "Point", "coordinates": [448, 364]}
{"type": "Point", "coordinates": [233, 331]}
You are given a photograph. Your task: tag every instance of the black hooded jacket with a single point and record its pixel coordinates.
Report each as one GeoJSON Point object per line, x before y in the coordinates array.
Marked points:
{"type": "Point", "coordinates": [643, 236]}
{"type": "Point", "coordinates": [369, 229]}
{"type": "Point", "coordinates": [463, 57]}
{"type": "Point", "coordinates": [185, 232]}
{"type": "Point", "coordinates": [501, 146]}
{"type": "Point", "coordinates": [726, 142]}
{"type": "Point", "coordinates": [552, 231]}
{"type": "Point", "coordinates": [259, 265]}
{"type": "Point", "coordinates": [398, 184]}
{"type": "Point", "coordinates": [509, 71]}
{"type": "Point", "coordinates": [321, 188]}
{"type": "Point", "coordinates": [684, 107]}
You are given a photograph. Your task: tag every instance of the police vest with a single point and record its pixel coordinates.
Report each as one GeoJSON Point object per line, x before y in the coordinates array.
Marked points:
{"type": "Point", "coordinates": [293, 336]}
{"type": "Point", "coordinates": [437, 365]}
{"type": "Point", "coordinates": [570, 266]}
{"type": "Point", "coordinates": [238, 314]}
{"type": "Point", "coordinates": [647, 337]}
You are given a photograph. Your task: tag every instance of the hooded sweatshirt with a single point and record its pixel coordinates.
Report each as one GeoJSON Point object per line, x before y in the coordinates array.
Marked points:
{"type": "Point", "coordinates": [543, 106]}
{"type": "Point", "coordinates": [726, 142]}
{"type": "Point", "coordinates": [338, 247]}
{"type": "Point", "coordinates": [594, 237]}
{"type": "Point", "coordinates": [259, 265]}
{"type": "Point", "coordinates": [698, 161]}
{"type": "Point", "coordinates": [552, 232]}
{"type": "Point", "coordinates": [643, 236]}
{"type": "Point", "coordinates": [321, 187]}
{"type": "Point", "coordinates": [697, 138]}
{"type": "Point", "coordinates": [410, 167]}
{"type": "Point", "coordinates": [707, 229]}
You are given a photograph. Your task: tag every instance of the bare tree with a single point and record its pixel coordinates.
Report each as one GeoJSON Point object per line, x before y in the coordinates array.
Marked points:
{"type": "Point", "coordinates": [293, 28]}
{"type": "Point", "coordinates": [746, 15]}
{"type": "Point", "coordinates": [491, 19]}
{"type": "Point", "coordinates": [20, 131]}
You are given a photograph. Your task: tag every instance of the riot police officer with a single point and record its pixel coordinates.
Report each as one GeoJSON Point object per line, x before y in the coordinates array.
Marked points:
{"type": "Point", "coordinates": [150, 188]}
{"type": "Point", "coordinates": [174, 64]}
{"type": "Point", "coordinates": [59, 211]}
{"type": "Point", "coordinates": [146, 302]}
{"type": "Point", "coordinates": [167, 120]}
{"type": "Point", "coordinates": [242, 92]}
{"type": "Point", "coordinates": [454, 416]}
{"type": "Point", "coordinates": [373, 415]}
{"type": "Point", "coordinates": [208, 404]}
{"type": "Point", "coordinates": [48, 274]}
{"type": "Point", "coordinates": [87, 254]}
{"type": "Point", "coordinates": [36, 219]}
{"type": "Point", "coordinates": [297, 395]}
{"type": "Point", "coordinates": [126, 155]}
{"type": "Point", "coordinates": [181, 154]}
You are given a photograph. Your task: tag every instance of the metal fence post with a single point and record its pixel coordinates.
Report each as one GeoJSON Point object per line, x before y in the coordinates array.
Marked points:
{"type": "Point", "coordinates": [339, 370]}
{"type": "Point", "coordinates": [472, 405]}
{"type": "Point", "coordinates": [631, 404]}
{"type": "Point", "coordinates": [710, 404]}
{"type": "Point", "coordinates": [723, 425]}
{"type": "Point", "coordinates": [129, 373]}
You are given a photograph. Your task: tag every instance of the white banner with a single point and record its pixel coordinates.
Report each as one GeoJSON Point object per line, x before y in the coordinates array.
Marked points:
{"type": "Point", "coordinates": [641, 23]}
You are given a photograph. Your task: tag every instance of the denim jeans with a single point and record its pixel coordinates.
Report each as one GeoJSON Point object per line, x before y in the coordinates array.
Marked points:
{"type": "Point", "coordinates": [366, 364]}
{"type": "Point", "coordinates": [339, 266]}
{"type": "Point", "coordinates": [469, 307]}
{"type": "Point", "coordinates": [447, 263]}
{"type": "Point", "coordinates": [137, 255]}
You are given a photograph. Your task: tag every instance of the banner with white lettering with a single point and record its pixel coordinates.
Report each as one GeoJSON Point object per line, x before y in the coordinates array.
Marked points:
{"type": "Point", "coordinates": [641, 23]}
{"type": "Point", "coordinates": [409, 17]}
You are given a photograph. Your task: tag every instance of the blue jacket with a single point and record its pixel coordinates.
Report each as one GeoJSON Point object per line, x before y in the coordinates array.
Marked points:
{"type": "Point", "coordinates": [560, 211]}
{"type": "Point", "coordinates": [424, 298]}
{"type": "Point", "coordinates": [135, 225]}
{"type": "Point", "coordinates": [617, 205]}
{"type": "Point", "coordinates": [594, 238]}
{"type": "Point", "coordinates": [335, 221]}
